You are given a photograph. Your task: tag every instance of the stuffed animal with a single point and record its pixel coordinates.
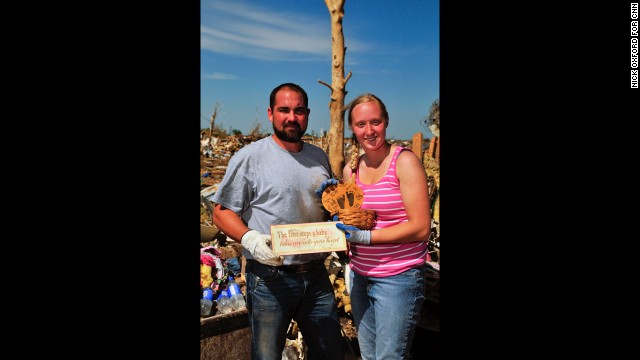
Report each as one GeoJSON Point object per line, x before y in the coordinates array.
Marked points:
{"type": "Point", "coordinates": [212, 269]}
{"type": "Point", "coordinates": [205, 276]}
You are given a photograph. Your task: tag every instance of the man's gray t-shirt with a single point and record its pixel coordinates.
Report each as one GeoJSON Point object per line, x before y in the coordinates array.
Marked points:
{"type": "Point", "coordinates": [268, 185]}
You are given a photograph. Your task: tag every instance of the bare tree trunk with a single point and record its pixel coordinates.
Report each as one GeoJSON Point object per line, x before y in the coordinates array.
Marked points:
{"type": "Point", "coordinates": [213, 119]}
{"type": "Point", "coordinates": [338, 83]}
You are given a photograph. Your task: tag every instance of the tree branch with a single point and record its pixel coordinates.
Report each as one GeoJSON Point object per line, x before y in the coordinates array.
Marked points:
{"type": "Point", "coordinates": [325, 84]}
{"type": "Point", "coordinates": [347, 78]}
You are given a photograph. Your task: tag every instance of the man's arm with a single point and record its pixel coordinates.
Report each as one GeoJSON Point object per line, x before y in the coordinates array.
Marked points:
{"type": "Point", "coordinates": [229, 222]}
{"type": "Point", "coordinates": [255, 243]}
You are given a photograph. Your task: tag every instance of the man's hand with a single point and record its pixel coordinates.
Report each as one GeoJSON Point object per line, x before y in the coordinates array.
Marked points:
{"type": "Point", "coordinates": [324, 185]}
{"type": "Point", "coordinates": [258, 245]}
{"type": "Point", "coordinates": [355, 235]}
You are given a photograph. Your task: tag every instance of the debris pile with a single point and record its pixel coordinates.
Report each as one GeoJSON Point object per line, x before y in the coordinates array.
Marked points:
{"type": "Point", "coordinates": [216, 152]}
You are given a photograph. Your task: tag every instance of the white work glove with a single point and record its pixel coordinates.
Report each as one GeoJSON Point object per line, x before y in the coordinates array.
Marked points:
{"type": "Point", "coordinates": [258, 245]}
{"type": "Point", "coordinates": [355, 235]}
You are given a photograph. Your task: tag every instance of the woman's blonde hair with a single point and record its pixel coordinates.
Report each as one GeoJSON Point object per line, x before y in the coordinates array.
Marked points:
{"type": "Point", "coordinates": [361, 99]}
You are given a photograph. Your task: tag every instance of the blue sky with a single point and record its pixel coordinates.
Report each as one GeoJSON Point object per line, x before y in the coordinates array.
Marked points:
{"type": "Point", "coordinates": [250, 47]}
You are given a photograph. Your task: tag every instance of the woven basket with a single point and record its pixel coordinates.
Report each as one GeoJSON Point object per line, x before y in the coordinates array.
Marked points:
{"type": "Point", "coordinates": [362, 219]}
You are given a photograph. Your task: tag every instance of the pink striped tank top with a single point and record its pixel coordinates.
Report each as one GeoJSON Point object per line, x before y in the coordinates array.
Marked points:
{"type": "Point", "coordinates": [382, 260]}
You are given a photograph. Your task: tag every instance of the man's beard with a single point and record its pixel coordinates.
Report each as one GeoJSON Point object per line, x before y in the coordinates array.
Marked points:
{"type": "Point", "coordinates": [293, 135]}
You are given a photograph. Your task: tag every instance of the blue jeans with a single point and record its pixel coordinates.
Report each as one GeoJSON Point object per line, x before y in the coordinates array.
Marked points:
{"type": "Point", "coordinates": [386, 311]}
{"type": "Point", "coordinates": [275, 297]}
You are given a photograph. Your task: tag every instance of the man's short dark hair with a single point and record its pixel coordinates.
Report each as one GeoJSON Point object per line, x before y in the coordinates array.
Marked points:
{"type": "Point", "coordinates": [292, 86]}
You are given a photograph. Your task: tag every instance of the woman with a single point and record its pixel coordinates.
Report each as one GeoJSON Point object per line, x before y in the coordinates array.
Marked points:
{"type": "Point", "coordinates": [388, 262]}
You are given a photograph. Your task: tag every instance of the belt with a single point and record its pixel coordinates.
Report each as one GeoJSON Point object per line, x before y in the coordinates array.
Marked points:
{"type": "Point", "coordinates": [298, 268]}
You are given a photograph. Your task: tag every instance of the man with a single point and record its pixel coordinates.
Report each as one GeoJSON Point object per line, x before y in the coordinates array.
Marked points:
{"type": "Point", "coordinates": [271, 182]}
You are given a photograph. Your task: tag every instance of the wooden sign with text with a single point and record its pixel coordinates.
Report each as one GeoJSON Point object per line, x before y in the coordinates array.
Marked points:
{"type": "Point", "coordinates": [306, 238]}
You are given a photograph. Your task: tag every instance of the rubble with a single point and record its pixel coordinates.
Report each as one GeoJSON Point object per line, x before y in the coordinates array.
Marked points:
{"type": "Point", "coordinates": [216, 152]}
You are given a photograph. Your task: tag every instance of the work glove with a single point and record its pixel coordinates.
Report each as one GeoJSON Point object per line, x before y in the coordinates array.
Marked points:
{"type": "Point", "coordinates": [258, 245]}
{"type": "Point", "coordinates": [324, 185]}
{"type": "Point", "coordinates": [355, 235]}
